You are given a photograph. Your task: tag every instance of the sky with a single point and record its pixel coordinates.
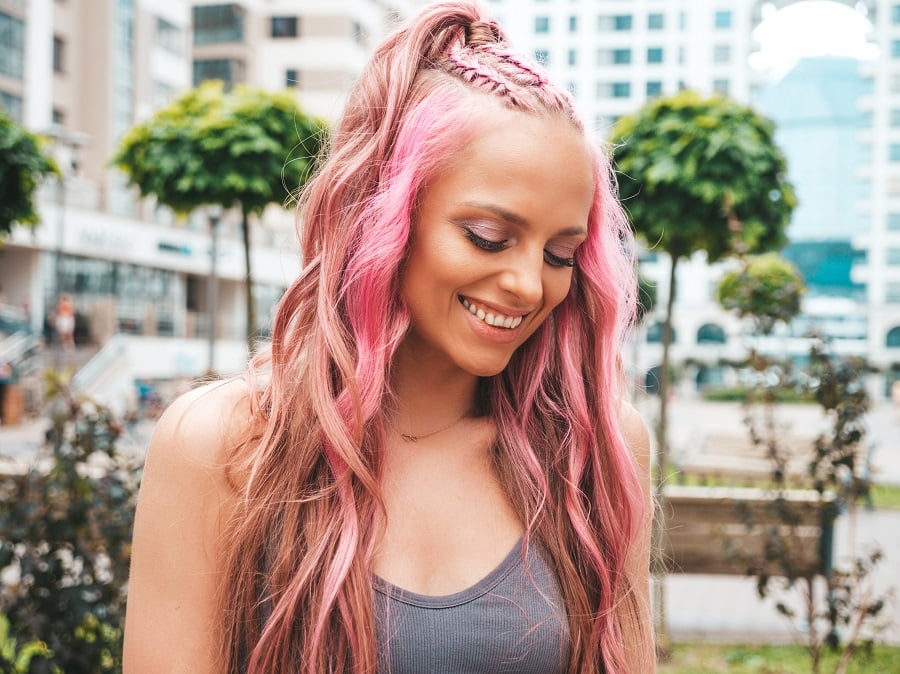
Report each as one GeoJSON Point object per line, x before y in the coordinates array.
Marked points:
{"type": "Point", "coordinates": [810, 28]}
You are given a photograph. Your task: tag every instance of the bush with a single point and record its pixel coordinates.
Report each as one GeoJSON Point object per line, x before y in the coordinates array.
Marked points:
{"type": "Point", "coordinates": [65, 542]}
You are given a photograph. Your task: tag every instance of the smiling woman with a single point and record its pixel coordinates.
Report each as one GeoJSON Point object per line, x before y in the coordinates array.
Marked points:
{"type": "Point", "coordinates": [434, 466]}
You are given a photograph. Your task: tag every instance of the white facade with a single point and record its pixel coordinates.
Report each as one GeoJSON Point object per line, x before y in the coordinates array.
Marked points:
{"type": "Point", "coordinates": [86, 71]}
{"type": "Point", "coordinates": [615, 55]}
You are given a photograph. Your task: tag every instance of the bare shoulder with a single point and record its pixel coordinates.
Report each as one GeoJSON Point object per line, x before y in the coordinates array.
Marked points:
{"type": "Point", "coordinates": [637, 436]}
{"type": "Point", "coordinates": [201, 424]}
{"type": "Point", "coordinates": [185, 502]}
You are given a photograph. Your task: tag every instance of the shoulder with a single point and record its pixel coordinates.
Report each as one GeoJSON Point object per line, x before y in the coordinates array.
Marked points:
{"type": "Point", "coordinates": [200, 426]}
{"type": "Point", "coordinates": [185, 502]}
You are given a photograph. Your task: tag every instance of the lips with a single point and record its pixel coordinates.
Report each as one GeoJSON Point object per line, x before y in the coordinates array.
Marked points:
{"type": "Point", "coordinates": [492, 317]}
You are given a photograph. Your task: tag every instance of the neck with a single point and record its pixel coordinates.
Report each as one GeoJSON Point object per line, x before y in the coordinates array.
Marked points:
{"type": "Point", "coordinates": [430, 395]}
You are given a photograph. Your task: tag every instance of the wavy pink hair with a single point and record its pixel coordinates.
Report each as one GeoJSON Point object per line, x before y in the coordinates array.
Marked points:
{"type": "Point", "coordinates": [298, 595]}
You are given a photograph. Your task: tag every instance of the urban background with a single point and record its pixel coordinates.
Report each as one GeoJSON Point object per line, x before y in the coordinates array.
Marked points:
{"type": "Point", "coordinates": [157, 298]}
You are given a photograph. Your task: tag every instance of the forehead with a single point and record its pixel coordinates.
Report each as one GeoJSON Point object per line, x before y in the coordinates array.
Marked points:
{"type": "Point", "coordinates": [534, 163]}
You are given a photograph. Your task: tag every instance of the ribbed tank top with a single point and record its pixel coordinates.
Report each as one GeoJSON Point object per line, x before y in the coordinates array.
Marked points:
{"type": "Point", "coordinates": [511, 621]}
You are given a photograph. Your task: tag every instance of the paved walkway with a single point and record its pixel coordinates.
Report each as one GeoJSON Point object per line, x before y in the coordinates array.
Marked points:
{"type": "Point", "coordinates": [725, 608]}
{"type": "Point", "coordinates": [707, 607]}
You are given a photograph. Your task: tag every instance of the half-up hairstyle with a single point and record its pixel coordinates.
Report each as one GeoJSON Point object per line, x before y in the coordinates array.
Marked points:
{"type": "Point", "coordinates": [298, 594]}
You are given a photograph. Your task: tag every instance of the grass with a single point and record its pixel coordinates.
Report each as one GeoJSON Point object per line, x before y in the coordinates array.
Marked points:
{"type": "Point", "coordinates": [884, 496]}
{"type": "Point", "coordinates": [701, 658]}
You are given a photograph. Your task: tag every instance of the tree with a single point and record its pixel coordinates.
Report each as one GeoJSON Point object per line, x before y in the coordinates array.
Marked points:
{"type": "Point", "coordinates": [242, 149]}
{"type": "Point", "coordinates": [767, 289]}
{"type": "Point", "coordinates": [699, 174]}
{"type": "Point", "coordinates": [22, 166]}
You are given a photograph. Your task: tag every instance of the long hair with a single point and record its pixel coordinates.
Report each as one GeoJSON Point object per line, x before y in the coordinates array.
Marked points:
{"type": "Point", "coordinates": [298, 590]}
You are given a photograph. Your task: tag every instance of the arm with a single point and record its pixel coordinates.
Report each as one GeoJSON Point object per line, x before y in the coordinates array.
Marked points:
{"type": "Point", "coordinates": [640, 646]}
{"type": "Point", "coordinates": [171, 623]}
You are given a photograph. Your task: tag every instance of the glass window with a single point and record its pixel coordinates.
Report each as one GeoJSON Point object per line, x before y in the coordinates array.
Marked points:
{"type": "Point", "coordinates": [227, 70]}
{"type": "Point", "coordinates": [655, 55]}
{"type": "Point", "coordinates": [654, 88]}
{"type": "Point", "coordinates": [284, 26]}
{"type": "Point", "coordinates": [895, 13]}
{"type": "Point", "coordinates": [12, 105]}
{"type": "Point", "coordinates": [892, 256]}
{"type": "Point", "coordinates": [12, 46]}
{"type": "Point", "coordinates": [291, 78]}
{"type": "Point", "coordinates": [542, 24]}
{"type": "Point", "coordinates": [892, 293]}
{"type": "Point", "coordinates": [218, 23]}
{"type": "Point", "coordinates": [894, 222]}
{"type": "Point", "coordinates": [59, 54]}
{"type": "Point", "coordinates": [621, 56]}
{"type": "Point", "coordinates": [894, 152]}
{"type": "Point", "coordinates": [723, 18]}
{"type": "Point", "coordinates": [169, 36]}
{"type": "Point", "coordinates": [895, 48]}
{"type": "Point", "coordinates": [655, 21]}
{"type": "Point", "coordinates": [573, 57]}
{"type": "Point", "coordinates": [722, 53]}
{"type": "Point", "coordinates": [613, 89]}
{"type": "Point", "coordinates": [573, 24]}
{"type": "Point", "coordinates": [722, 87]}
{"type": "Point", "coordinates": [615, 22]}
{"type": "Point", "coordinates": [542, 56]}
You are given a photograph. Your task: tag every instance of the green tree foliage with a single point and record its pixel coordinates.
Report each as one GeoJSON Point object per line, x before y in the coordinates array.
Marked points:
{"type": "Point", "coordinates": [22, 166]}
{"type": "Point", "coordinates": [767, 288]}
{"type": "Point", "coordinates": [242, 149]}
{"type": "Point", "coordinates": [65, 544]}
{"type": "Point", "coordinates": [698, 174]}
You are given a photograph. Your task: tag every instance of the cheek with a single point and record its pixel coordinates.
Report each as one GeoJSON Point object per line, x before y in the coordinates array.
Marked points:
{"type": "Point", "coordinates": [557, 287]}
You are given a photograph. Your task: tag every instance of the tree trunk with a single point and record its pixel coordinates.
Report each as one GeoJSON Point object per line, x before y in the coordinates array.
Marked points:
{"type": "Point", "coordinates": [248, 286]}
{"type": "Point", "coordinates": [663, 644]}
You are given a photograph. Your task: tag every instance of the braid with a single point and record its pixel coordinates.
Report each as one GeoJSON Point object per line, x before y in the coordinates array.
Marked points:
{"type": "Point", "coordinates": [481, 57]}
{"type": "Point", "coordinates": [473, 73]}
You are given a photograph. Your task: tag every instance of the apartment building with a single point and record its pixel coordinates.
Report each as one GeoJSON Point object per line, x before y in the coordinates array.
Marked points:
{"type": "Point", "coordinates": [615, 55]}
{"type": "Point", "coordinates": [83, 72]}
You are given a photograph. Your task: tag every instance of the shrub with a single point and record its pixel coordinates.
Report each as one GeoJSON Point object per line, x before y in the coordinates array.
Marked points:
{"type": "Point", "coordinates": [65, 541]}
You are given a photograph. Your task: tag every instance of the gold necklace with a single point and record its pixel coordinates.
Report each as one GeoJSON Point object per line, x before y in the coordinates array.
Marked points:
{"type": "Point", "coordinates": [410, 437]}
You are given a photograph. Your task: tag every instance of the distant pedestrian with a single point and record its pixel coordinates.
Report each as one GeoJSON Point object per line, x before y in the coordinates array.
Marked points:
{"type": "Point", "coordinates": [65, 321]}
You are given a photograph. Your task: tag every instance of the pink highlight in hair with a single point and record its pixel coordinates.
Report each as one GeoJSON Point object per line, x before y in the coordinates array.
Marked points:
{"type": "Point", "coordinates": [299, 590]}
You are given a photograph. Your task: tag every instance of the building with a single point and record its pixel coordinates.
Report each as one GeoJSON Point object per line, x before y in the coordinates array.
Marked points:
{"type": "Point", "coordinates": [616, 55]}
{"type": "Point", "coordinates": [83, 72]}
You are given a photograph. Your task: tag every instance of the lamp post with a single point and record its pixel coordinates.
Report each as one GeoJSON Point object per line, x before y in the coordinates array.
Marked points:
{"type": "Point", "coordinates": [214, 213]}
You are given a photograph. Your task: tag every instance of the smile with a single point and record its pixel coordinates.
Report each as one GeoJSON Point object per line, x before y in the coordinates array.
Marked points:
{"type": "Point", "coordinates": [496, 320]}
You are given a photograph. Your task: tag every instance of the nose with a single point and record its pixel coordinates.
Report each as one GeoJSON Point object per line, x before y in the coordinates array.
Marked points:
{"type": "Point", "coordinates": [523, 278]}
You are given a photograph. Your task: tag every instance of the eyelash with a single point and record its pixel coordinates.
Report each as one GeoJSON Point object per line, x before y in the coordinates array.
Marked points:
{"type": "Point", "coordinates": [495, 246]}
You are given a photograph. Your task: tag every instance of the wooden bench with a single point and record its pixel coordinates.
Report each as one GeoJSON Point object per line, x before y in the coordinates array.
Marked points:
{"type": "Point", "coordinates": [738, 531]}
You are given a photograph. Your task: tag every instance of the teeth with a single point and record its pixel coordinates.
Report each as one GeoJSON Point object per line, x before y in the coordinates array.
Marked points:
{"type": "Point", "coordinates": [498, 320]}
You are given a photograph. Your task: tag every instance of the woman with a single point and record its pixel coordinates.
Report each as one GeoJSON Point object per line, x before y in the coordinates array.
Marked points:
{"type": "Point", "coordinates": [433, 468]}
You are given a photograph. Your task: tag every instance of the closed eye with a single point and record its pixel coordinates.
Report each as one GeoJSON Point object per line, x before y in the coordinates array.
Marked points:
{"type": "Point", "coordinates": [485, 244]}
{"type": "Point", "coordinates": [557, 261]}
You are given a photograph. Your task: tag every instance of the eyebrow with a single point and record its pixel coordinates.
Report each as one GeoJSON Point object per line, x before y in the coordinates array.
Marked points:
{"type": "Point", "coordinates": [518, 220]}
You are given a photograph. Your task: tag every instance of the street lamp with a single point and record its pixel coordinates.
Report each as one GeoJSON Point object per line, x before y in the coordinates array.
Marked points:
{"type": "Point", "coordinates": [214, 213]}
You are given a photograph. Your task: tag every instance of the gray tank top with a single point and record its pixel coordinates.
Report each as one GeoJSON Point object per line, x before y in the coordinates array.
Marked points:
{"type": "Point", "coordinates": [511, 621]}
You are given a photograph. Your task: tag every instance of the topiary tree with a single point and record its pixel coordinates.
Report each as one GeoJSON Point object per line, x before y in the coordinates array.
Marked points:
{"type": "Point", "coordinates": [699, 175]}
{"type": "Point", "coordinates": [242, 149]}
{"type": "Point", "coordinates": [23, 165]}
{"type": "Point", "coordinates": [767, 289]}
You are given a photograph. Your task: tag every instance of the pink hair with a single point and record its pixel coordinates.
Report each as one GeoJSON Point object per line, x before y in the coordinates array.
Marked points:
{"type": "Point", "coordinates": [298, 595]}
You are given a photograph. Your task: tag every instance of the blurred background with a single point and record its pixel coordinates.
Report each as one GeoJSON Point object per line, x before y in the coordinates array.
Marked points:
{"type": "Point", "coordinates": [135, 301]}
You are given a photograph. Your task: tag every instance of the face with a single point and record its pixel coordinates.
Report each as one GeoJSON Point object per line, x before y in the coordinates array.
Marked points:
{"type": "Point", "coordinates": [493, 241]}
